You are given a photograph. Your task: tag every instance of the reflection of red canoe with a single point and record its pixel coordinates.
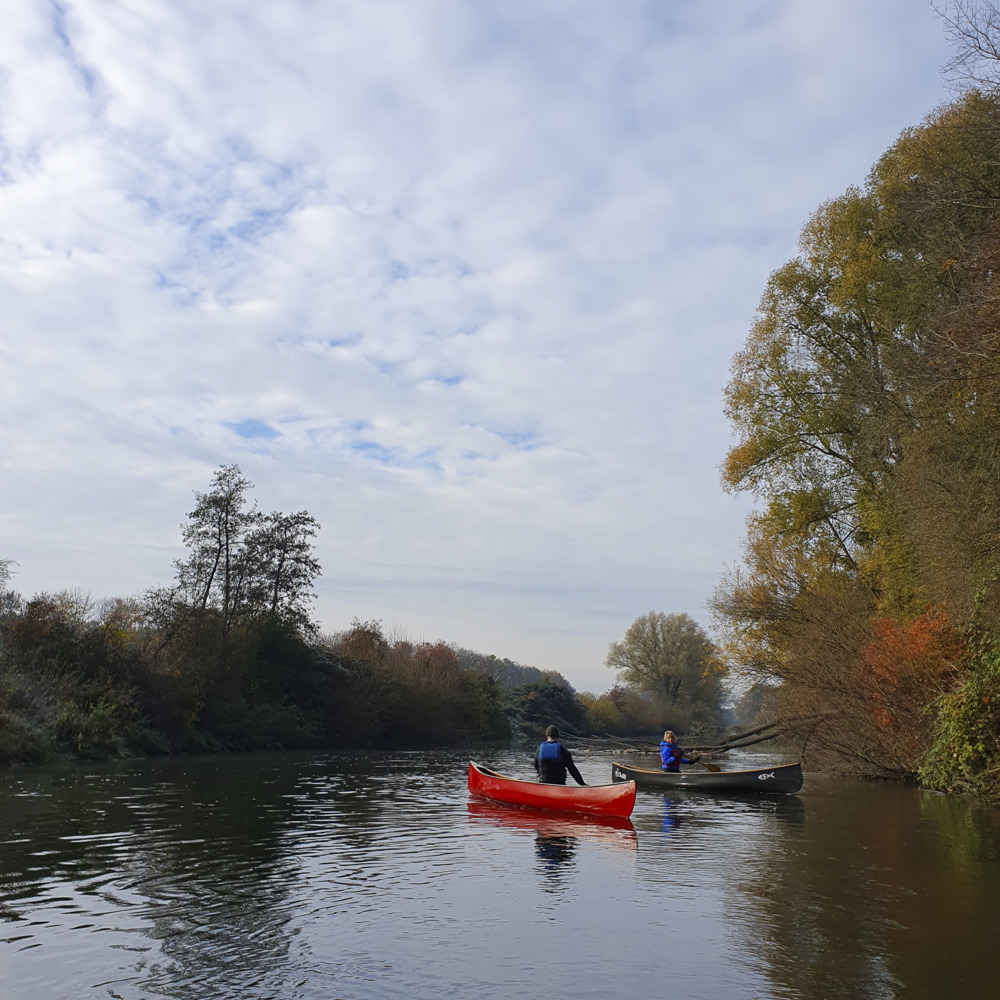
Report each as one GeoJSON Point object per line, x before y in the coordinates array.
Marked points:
{"type": "Point", "coordinates": [593, 800]}
{"type": "Point", "coordinates": [617, 831]}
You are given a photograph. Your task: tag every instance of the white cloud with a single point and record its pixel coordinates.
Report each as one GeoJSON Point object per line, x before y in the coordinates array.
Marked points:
{"type": "Point", "coordinates": [480, 268]}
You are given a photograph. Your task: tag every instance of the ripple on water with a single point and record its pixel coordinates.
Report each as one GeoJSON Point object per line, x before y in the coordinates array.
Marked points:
{"type": "Point", "coordinates": [363, 876]}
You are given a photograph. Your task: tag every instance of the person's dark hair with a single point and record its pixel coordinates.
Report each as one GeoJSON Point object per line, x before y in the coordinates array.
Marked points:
{"type": "Point", "coordinates": [553, 732]}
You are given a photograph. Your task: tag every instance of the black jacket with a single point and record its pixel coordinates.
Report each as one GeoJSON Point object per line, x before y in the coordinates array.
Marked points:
{"type": "Point", "coordinates": [553, 772]}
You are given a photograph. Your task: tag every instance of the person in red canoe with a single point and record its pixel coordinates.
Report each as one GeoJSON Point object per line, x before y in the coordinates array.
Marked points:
{"type": "Point", "coordinates": [553, 760]}
{"type": "Point", "coordinates": [670, 753]}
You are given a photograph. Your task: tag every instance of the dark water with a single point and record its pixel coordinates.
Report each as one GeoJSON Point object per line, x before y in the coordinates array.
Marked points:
{"type": "Point", "coordinates": [372, 876]}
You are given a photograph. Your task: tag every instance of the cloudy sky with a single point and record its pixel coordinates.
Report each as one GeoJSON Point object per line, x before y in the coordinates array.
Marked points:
{"type": "Point", "coordinates": [463, 278]}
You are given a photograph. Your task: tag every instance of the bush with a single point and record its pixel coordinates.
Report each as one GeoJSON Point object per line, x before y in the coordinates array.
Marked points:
{"type": "Point", "coordinates": [966, 732]}
{"type": "Point", "coordinates": [93, 732]}
{"type": "Point", "coordinates": [22, 741]}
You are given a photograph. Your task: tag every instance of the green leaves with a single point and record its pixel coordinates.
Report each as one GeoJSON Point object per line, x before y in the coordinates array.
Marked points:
{"type": "Point", "coordinates": [672, 659]}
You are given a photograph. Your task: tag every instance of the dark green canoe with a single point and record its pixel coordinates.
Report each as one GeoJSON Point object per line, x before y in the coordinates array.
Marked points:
{"type": "Point", "coordinates": [782, 778]}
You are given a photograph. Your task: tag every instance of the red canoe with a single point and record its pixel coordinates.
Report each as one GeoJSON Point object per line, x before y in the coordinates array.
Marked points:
{"type": "Point", "coordinates": [593, 800]}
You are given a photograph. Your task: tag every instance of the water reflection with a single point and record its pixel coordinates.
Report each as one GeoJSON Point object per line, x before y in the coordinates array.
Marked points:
{"type": "Point", "coordinates": [555, 856]}
{"type": "Point", "coordinates": [788, 810]}
{"type": "Point", "coordinates": [844, 895]}
{"type": "Point", "coordinates": [681, 806]}
{"type": "Point", "coordinates": [611, 831]}
{"type": "Point", "coordinates": [187, 872]}
{"type": "Point", "coordinates": [308, 877]}
{"type": "Point", "coordinates": [192, 869]}
{"type": "Point", "coordinates": [671, 814]}
{"type": "Point", "coordinates": [557, 835]}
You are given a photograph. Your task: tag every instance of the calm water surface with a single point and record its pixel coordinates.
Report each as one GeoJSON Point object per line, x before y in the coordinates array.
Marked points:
{"type": "Point", "coordinates": [373, 876]}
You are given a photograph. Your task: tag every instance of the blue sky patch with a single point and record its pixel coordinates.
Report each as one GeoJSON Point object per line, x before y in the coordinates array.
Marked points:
{"type": "Point", "coordinates": [253, 429]}
{"type": "Point", "coordinates": [522, 440]}
{"type": "Point", "coordinates": [373, 451]}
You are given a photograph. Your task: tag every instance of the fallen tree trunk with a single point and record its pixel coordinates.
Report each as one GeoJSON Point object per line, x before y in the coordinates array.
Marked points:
{"type": "Point", "coordinates": [750, 737]}
{"type": "Point", "coordinates": [762, 734]}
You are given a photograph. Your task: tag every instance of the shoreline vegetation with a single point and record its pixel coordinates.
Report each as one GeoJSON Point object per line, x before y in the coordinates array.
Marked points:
{"type": "Point", "coordinates": [866, 411]}
{"type": "Point", "coordinates": [228, 659]}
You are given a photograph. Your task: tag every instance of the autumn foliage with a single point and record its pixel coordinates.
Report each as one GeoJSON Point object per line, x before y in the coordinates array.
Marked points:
{"type": "Point", "coordinates": [866, 404]}
{"type": "Point", "coordinates": [900, 669]}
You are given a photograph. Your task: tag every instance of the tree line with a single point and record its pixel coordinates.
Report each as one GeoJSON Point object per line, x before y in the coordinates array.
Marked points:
{"type": "Point", "coordinates": [229, 658]}
{"type": "Point", "coordinates": [866, 404]}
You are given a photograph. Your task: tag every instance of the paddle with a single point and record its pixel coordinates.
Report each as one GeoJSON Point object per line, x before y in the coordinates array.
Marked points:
{"type": "Point", "coordinates": [709, 767]}
{"type": "Point", "coordinates": [714, 768]}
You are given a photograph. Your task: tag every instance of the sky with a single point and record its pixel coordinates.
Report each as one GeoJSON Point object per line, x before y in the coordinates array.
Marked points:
{"type": "Point", "coordinates": [462, 278]}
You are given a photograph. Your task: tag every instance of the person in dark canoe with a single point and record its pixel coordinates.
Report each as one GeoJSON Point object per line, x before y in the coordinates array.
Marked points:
{"type": "Point", "coordinates": [670, 753]}
{"type": "Point", "coordinates": [553, 760]}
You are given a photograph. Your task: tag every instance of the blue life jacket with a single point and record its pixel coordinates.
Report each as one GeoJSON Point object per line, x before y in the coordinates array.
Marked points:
{"type": "Point", "coordinates": [670, 756]}
{"type": "Point", "coordinates": [550, 750]}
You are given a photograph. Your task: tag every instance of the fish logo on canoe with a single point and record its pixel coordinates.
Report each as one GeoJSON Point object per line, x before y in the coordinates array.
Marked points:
{"type": "Point", "coordinates": [764, 777]}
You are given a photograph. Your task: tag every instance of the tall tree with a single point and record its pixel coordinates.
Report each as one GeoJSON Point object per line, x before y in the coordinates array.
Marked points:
{"type": "Point", "coordinates": [866, 406]}
{"type": "Point", "coordinates": [214, 574]}
{"type": "Point", "coordinates": [973, 28]}
{"type": "Point", "coordinates": [9, 599]}
{"type": "Point", "coordinates": [281, 563]}
{"type": "Point", "coordinates": [672, 659]}
{"type": "Point", "coordinates": [242, 562]}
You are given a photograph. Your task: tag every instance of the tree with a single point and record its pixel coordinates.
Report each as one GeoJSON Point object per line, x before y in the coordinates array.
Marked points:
{"type": "Point", "coordinates": [866, 404]}
{"type": "Point", "coordinates": [973, 28]}
{"type": "Point", "coordinates": [242, 562]}
{"type": "Point", "coordinates": [672, 659]}
{"type": "Point", "coordinates": [281, 563]}
{"type": "Point", "coordinates": [10, 600]}
{"type": "Point", "coordinates": [214, 574]}
{"type": "Point", "coordinates": [854, 352]}
{"type": "Point", "coordinates": [538, 704]}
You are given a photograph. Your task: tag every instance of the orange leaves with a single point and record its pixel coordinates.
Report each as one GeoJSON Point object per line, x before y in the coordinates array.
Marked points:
{"type": "Point", "coordinates": [364, 643]}
{"type": "Point", "coordinates": [921, 650]}
{"type": "Point", "coordinates": [905, 666]}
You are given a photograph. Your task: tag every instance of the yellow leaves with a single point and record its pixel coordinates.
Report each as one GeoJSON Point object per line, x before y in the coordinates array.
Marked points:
{"type": "Point", "coordinates": [744, 465]}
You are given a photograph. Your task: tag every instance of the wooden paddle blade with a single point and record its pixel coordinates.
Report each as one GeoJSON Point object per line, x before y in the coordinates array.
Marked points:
{"type": "Point", "coordinates": [710, 767]}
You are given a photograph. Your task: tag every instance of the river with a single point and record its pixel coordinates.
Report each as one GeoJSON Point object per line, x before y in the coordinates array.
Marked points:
{"type": "Point", "coordinates": [348, 876]}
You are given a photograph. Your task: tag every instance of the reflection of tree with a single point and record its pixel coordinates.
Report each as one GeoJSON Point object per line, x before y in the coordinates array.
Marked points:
{"type": "Point", "coordinates": [241, 909]}
{"type": "Point", "coordinates": [186, 857]}
{"type": "Point", "coordinates": [217, 887]}
{"type": "Point", "coordinates": [807, 924]}
{"type": "Point", "coordinates": [861, 899]}
{"type": "Point", "coordinates": [199, 872]}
